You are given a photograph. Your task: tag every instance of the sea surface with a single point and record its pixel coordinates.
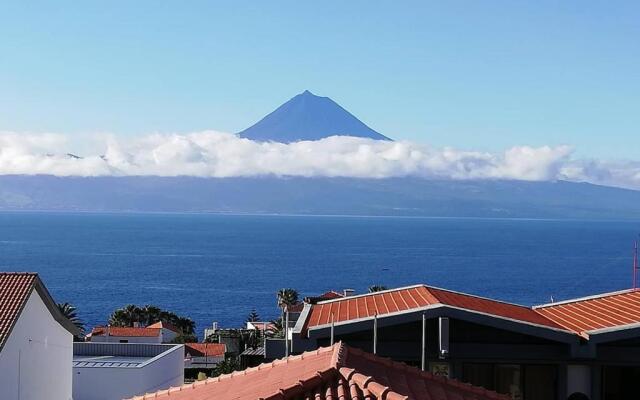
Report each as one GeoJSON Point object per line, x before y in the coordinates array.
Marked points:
{"type": "Point", "coordinates": [219, 267]}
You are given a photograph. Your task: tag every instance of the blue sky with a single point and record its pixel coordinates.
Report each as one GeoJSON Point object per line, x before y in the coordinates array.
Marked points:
{"type": "Point", "coordinates": [474, 75]}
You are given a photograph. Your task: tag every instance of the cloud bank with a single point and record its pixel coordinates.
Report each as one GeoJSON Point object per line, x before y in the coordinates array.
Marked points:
{"type": "Point", "coordinates": [216, 154]}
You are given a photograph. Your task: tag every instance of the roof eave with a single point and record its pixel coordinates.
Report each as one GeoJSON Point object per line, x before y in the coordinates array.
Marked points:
{"type": "Point", "coordinates": [52, 306]}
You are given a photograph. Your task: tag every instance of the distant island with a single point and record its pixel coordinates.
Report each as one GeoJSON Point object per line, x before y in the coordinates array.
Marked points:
{"type": "Point", "coordinates": [320, 196]}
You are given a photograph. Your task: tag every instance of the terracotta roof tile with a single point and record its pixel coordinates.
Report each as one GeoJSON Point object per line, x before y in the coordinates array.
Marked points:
{"type": "Point", "coordinates": [417, 297]}
{"type": "Point", "coordinates": [205, 349]}
{"type": "Point", "coordinates": [125, 331]}
{"type": "Point", "coordinates": [15, 288]}
{"type": "Point", "coordinates": [608, 310]}
{"type": "Point", "coordinates": [329, 373]}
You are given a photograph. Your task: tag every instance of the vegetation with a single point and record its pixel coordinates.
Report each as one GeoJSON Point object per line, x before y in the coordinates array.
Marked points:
{"type": "Point", "coordinates": [130, 315]}
{"type": "Point", "coordinates": [70, 312]}
{"type": "Point", "coordinates": [376, 288]}
{"type": "Point", "coordinates": [181, 339]}
{"type": "Point", "coordinates": [253, 316]}
{"type": "Point", "coordinates": [286, 298]}
{"type": "Point", "coordinates": [246, 337]}
{"type": "Point", "coordinates": [226, 367]}
{"type": "Point", "coordinates": [276, 330]}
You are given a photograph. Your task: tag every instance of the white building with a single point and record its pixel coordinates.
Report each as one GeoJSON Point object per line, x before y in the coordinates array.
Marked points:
{"type": "Point", "coordinates": [114, 371]}
{"type": "Point", "coordinates": [36, 341]}
{"type": "Point", "coordinates": [155, 333]}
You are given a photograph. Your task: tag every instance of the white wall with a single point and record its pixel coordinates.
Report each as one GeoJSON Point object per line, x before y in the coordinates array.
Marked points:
{"type": "Point", "coordinates": [130, 339]}
{"type": "Point", "coordinates": [579, 379]}
{"type": "Point", "coordinates": [114, 383]}
{"type": "Point", "coordinates": [168, 335]}
{"type": "Point", "coordinates": [35, 362]}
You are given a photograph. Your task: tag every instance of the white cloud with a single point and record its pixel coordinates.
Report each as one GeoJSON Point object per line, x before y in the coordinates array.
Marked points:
{"type": "Point", "coordinates": [215, 154]}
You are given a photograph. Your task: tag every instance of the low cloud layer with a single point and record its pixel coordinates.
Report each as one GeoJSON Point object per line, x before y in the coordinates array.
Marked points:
{"type": "Point", "coordinates": [215, 154]}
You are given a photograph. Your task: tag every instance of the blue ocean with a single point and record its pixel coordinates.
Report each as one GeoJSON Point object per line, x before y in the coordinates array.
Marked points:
{"type": "Point", "coordinates": [219, 267]}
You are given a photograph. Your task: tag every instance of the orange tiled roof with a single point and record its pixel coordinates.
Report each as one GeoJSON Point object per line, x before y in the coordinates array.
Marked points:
{"type": "Point", "coordinates": [597, 312]}
{"type": "Point", "coordinates": [263, 326]}
{"type": "Point", "coordinates": [416, 297]}
{"type": "Point", "coordinates": [338, 372]}
{"type": "Point", "coordinates": [205, 349]}
{"type": "Point", "coordinates": [332, 294]}
{"type": "Point", "coordinates": [15, 288]}
{"type": "Point", "coordinates": [125, 331]}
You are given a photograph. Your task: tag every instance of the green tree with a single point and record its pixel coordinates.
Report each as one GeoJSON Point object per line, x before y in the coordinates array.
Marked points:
{"type": "Point", "coordinates": [70, 312]}
{"type": "Point", "coordinates": [131, 314]}
{"type": "Point", "coordinates": [276, 329]}
{"type": "Point", "coordinates": [253, 316]}
{"type": "Point", "coordinates": [181, 339]}
{"type": "Point", "coordinates": [286, 298]}
{"type": "Point", "coordinates": [226, 366]}
{"type": "Point", "coordinates": [126, 316]}
{"type": "Point", "coordinates": [376, 288]}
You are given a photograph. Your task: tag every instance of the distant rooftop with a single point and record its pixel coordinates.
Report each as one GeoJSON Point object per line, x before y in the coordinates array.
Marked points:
{"type": "Point", "coordinates": [150, 331]}
{"type": "Point", "coordinates": [118, 355]}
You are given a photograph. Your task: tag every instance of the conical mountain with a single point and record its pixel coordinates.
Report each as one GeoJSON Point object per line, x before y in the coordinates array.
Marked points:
{"type": "Point", "coordinates": [308, 117]}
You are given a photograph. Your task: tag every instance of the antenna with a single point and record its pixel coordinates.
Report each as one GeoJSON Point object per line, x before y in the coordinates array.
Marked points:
{"type": "Point", "coordinates": [635, 266]}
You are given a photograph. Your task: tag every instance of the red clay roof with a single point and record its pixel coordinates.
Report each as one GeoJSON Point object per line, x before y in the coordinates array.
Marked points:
{"type": "Point", "coordinates": [598, 312]}
{"type": "Point", "coordinates": [205, 349]}
{"type": "Point", "coordinates": [338, 372]}
{"type": "Point", "coordinates": [15, 289]}
{"type": "Point", "coordinates": [332, 294]}
{"type": "Point", "coordinates": [296, 308]}
{"type": "Point", "coordinates": [125, 331]}
{"type": "Point", "coordinates": [417, 297]}
{"type": "Point", "coordinates": [263, 326]}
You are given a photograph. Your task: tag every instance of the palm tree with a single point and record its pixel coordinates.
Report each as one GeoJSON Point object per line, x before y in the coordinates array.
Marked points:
{"type": "Point", "coordinates": [69, 311]}
{"type": "Point", "coordinates": [287, 297]}
{"type": "Point", "coordinates": [276, 329]}
{"type": "Point", "coordinates": [126, 316]}
{"type": "Point", "coordinates": [151, 314]}
{"type": "Point", "coordinates": [376, 288]}
{"type": "Point", "coordinates": [186, 325]}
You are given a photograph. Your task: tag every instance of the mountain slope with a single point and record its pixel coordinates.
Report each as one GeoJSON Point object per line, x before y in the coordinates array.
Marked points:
{"type": "Point", "coordinates": [317, 196]}
{"type": "Point", "coordinates": [308, 117]}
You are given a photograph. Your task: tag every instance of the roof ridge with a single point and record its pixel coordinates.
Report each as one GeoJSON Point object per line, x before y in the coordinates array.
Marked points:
{"type": "Point", "coordinates": [585, 298]}
{"type": "Point", "coordinates": [370, 294]}
{"type": "Point", "coordinates": [17, 273]}
{"type": "Point", "coordinates": [473, 295]}
{"type": "Point", "coordinates": [340, 351]}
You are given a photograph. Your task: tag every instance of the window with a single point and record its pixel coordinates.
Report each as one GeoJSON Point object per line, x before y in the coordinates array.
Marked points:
{"type": "Point", "coordinates": [521, 382]}
{"type": "Point", "coordinates": [124, 341]}
{"type": "Point", "coordinates": [508, 380]}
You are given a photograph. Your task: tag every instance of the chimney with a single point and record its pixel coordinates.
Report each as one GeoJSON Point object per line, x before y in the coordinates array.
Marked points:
{"type": "Point", "coordinates": [348, 292]}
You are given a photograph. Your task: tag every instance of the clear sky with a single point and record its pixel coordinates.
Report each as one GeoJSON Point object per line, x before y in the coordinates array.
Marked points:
{"type": "Point", "coordinates": [474, 75]}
